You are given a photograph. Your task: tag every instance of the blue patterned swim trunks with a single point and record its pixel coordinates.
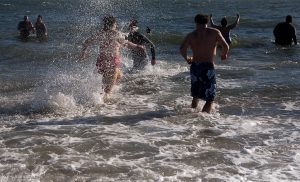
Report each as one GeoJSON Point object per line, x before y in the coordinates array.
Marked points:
{"type": "Point", "coordinates": [203, 80]}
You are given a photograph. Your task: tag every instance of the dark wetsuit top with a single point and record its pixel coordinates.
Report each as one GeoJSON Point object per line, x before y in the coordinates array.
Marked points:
{"type": "Point", "coordinates": [25, 27]}
{"type": "Point", "coordinates": [139, 56]}
{"type": "Point", "coordinates": [285, 34]}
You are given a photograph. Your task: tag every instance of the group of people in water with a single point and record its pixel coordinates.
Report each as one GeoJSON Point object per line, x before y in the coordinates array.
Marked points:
{"type": "Point", "coordinates": [203, 42]}
{"type": "Point", "coordinates": [26, 28]}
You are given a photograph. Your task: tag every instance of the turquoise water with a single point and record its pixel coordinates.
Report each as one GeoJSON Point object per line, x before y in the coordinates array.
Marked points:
{"type": "Point", "coordinates": [55, 127]}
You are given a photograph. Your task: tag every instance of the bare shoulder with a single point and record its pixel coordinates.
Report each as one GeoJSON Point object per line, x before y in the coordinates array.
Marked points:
{"type": "Point", "coordinates": [191, 35]}
{"type": "Point", "coordinates": [213, 30]}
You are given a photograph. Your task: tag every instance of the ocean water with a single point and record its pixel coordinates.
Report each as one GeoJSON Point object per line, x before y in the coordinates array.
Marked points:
{"type": "Point", "coordinates": [55, 127]}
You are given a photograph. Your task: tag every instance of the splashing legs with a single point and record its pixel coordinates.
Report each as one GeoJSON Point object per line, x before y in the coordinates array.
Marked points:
{"type": "Point", "coordinates": [110, 77]}
{"type": "Point", "coordinates": [195, 102]}
{"type": "Point", "coordinates": [207, 106]}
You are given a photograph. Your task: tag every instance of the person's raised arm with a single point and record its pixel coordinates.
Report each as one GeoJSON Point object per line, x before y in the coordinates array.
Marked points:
{"type": "Point", "coordinates": [212, 22]}
{"type": "Point", "coordinates": [183, 49]}
{"type": "Point", "coordinates": [237, 21]}
{"type": "Point", "coordinates": [224, 45]}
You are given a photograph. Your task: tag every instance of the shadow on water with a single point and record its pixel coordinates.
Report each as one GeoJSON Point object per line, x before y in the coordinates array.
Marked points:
{"type": "Point", "coordinates": [130, 120]}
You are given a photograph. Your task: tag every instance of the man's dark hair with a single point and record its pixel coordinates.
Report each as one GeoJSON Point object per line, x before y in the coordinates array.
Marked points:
{"type": "Point", "coordinates": [108, 22]}
{"type": "Point", "coordinates": [201, 19]}
{"type": "Point", "coordinates": [224, 22]}
{"type": "Point", "coordinates": [133, 22]}
{"type": "Point", "coordinates": [288, 19]}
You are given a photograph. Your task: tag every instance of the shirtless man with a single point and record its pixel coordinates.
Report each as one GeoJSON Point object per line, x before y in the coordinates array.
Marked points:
{"type": "Point", "coordinates": [203, 42]}
{"type": "Point", "coordinates": [108, 62]}
{"type": "Point", "coordinates": [225, 30]}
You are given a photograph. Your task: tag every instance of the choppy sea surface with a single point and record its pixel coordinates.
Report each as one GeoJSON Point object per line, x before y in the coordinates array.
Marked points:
{"type": "Point", "coordinates": [55, 127]}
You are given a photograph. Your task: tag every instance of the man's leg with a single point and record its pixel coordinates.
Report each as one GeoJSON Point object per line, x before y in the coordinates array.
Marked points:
{"type": "Point", "coordinates": [195, 102]}
{"type": "Point", "coordinates": [207, 106]}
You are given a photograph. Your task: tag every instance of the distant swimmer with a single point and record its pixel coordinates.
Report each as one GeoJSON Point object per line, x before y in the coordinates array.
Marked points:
{"type": "Point", "coordinates": [224, 28]}
{"type": "Point", "coordinates": [203, 42]}
{"type": "Point", "coordinates": [25, 27]}
{"type": "Point", "coordinates": [108, 62]}
{"type": "Point", "coordinates": [139, 56]}
{"type": "Point", "coordinates": [285, 32]}
{"type": "Point", "coordinates": [40, 28]}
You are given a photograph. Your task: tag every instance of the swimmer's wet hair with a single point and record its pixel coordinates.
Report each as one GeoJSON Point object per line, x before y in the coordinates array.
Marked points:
{"type": "Point", "coordinates": [201, 19]}
{"type": "Point", "coordinates": [108, 22]}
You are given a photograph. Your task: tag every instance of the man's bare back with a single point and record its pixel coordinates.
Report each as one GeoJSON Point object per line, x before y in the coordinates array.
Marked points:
{"type": "Point", "coordinates": [203, 41]}
{"type": "Point", "coordinates": [203, 44]}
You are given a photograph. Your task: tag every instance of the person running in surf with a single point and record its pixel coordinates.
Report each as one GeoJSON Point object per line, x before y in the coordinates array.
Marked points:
{"type": "Point", "coordinates": [203, 42]}
{"type": "Point", "coordinates": [108, 62]}
{"type": "Point", "coordinates": [139, 56]}
{"type": "Point", "coordinates": [224, 28]}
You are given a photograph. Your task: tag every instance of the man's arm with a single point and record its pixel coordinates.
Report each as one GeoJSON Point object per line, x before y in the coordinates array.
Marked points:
{"type": "Point", "coordinates": [295, 37]}
{"type": "Point", "coordinates": [237, 21]}
{"type": "Point", "coordinates": [132, 45]}
{"type": "Point", "coordinates": [212, 22]}
{"type": "Point", "coordinates": [152, 48]}
{"type": "Point", "coordinates": [45, 29]}
{"type": "Point", "coordinates": [31, 28]}
{"type": "Point", "coordinates": [183, 49]}
{"type": "Point", "coordinates": [223, 43]}
{"type": "Point", "coordinates": [121, 39]}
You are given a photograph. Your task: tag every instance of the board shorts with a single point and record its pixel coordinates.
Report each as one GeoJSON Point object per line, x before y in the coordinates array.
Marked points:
{"type": "Point", "coordinates": [203, 81]}
{"type": "Point", "coordinates": [103, 64]}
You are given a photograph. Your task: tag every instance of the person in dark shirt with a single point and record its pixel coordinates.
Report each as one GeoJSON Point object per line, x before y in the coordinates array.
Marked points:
{"type": "Point", "coordinates": [25, 27]}
{"type": "Point", "coordinates": [224, 28]}
{"type": "Point", "coordinates": [285, 32]}
{"type": "Point", "coordinates": [139, 56]}
{"type": "Point", "coordinates": [40, 28]}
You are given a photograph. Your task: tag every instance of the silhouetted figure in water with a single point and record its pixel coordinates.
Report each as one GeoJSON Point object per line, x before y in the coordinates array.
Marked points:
{"type": "Point", "coordinates": [224, 28]}
{"type": "Point", "coordinates": [40, 28]}
{"type": "Point", "coordinates": [25, 27]}
{"type": "Point", "coordinates": [285, 32]}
